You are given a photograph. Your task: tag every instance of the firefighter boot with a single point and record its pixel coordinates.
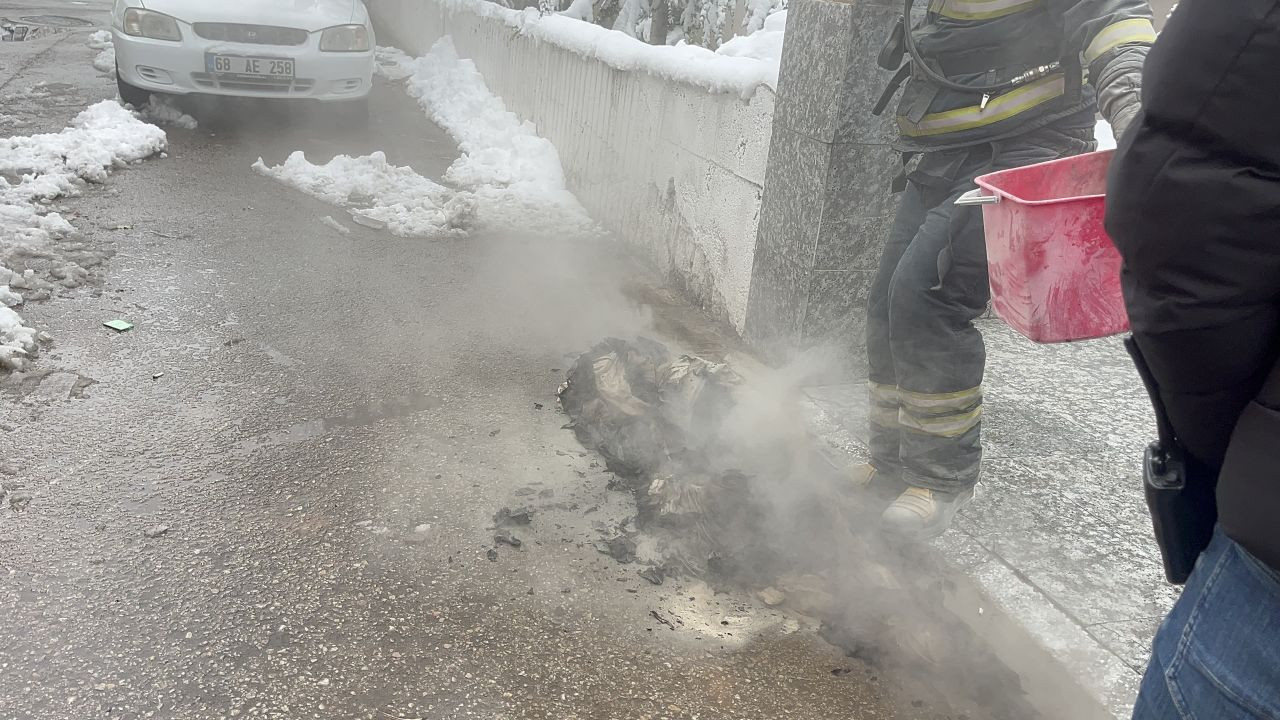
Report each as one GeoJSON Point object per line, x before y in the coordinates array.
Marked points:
{"type": "Point", "coordinates": [860, 476]}
{"type": "Point", "coordinates": [922, 514]}
{"type": "Point", "coordinates": [868, 481]}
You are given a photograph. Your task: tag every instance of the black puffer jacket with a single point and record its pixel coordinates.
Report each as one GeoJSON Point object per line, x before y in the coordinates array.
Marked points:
{"type": "Point", "coordinates": [1194, 207]}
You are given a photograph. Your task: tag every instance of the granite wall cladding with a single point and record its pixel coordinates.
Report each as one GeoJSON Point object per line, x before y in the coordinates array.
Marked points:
{"type": "Point", "coordinates": [827, 202]}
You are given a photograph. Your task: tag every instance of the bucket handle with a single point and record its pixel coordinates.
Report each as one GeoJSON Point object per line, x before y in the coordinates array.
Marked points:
{"type": "Point", "coordinates": [975, 197]}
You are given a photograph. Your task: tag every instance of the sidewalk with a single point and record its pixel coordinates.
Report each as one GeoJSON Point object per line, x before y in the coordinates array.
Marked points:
{"type": "Point", "coordinates": [1058, 539]}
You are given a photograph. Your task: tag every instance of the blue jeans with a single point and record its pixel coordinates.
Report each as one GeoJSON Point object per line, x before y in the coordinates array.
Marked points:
{"type": "Point", "coordinates": [1217, 654]}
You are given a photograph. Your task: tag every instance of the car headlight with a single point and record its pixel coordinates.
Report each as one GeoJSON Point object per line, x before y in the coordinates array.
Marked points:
{"type": "Point", "coordinates": [345, 38]}
{"type": "Point", "coordinates": [145, 23]}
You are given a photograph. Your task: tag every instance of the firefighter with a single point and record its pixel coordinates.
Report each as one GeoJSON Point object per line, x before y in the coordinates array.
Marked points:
{"type": "Point", "coordinates": [986, 85]}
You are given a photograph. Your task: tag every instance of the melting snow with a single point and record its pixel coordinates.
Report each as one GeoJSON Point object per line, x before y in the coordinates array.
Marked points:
{"type": "Point", "coordinates": [515, 175]}
{"type": "Point", "coordinates": [507, 177]}
{"type": "Point", "coordinates": [391, 63]}
{"type": "Point", "coordinates": [105, 60]}
{"type": "Point", "coordinates": [17, 341]}
{"type": "Point", "coordinates": [100, 39]}
{"type": "Point", "coordinates": [409, 204]}
{"type": "Point", "coordinates": [36, 169]}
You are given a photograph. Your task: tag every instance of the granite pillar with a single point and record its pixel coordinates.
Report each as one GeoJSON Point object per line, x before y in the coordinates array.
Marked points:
{"type": "Point", "coordinates": [827, 202]}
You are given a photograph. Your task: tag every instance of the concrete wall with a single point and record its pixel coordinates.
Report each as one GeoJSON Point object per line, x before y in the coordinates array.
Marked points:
{"type": "Point", "coordinates": [671, 167]}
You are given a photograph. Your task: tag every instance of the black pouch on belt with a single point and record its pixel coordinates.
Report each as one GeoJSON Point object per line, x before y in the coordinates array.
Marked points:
{"type": "Point", "coordinates": [1178, 489]}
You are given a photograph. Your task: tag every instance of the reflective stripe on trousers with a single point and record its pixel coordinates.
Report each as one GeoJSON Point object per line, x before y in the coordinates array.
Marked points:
{"type": "Point", "coordinates": [944, 415]}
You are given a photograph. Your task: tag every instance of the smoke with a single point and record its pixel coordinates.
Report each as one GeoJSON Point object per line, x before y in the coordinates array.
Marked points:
{"type": "Point", "coordinates": [732, 488]}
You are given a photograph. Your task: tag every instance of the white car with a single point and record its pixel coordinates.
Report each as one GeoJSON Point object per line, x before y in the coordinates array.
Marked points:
{"type": "Point", "coordinates": [315, 49]}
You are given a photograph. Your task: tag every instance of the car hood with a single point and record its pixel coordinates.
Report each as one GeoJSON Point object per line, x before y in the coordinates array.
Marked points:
{"type": "Point", "coordinates": [308, 15]}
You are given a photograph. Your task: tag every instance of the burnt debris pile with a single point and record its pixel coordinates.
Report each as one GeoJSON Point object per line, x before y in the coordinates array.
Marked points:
{"type": "Point", "coordinates": [657, 420]}
{"type": "Point", "coordinates": [731, 489]}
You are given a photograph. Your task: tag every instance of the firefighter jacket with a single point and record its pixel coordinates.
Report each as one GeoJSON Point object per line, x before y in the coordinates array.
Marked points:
{"type": "Point", "coordinates": [1038, 52]}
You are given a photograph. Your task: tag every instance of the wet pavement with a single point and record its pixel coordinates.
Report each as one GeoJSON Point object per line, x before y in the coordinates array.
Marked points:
{"type": "Point", "coordinates": [274, 497]}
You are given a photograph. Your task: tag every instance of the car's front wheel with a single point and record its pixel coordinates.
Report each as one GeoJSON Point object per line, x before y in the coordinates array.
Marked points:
{"type": "Point", "coordinates": [130, 94]}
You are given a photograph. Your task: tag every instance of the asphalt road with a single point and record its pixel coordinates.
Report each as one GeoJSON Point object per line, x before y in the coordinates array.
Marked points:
{"type": "Point", "coordinates": [326, 425]}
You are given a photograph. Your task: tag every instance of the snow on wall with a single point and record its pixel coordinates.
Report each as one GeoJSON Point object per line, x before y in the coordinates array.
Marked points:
{"type": "Point", "coordinates": [683, 63]}
{"type": "Point", "coordinates": [666, 151]}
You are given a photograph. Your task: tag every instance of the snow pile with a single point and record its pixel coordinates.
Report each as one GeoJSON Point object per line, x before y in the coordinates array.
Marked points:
{"type": "Point", "coordinates": [8, 298]}
{"type": "Point", "coordinates": [105, 60]}
{"type": "Point", "coordinates": [390, 63]}
{"type": "Point", "coordinates": [100, 40]}
{"type": "Point", "coordinates": [515, 174]}
{"type": "Point", "coordinates": [765, 45]}
{"type": "Point", "coordinates": [508, 178]}
{"type": "Point", "coordinates": [17, 341]}
{"type": "Point", "coordinates": [408, 204]}
{"type": "Point", "coordinates": [101, 137]}
{"type": "Point", "coordinates": [36, 254]}
{"type": "Point", "coordinates": [681, 63]}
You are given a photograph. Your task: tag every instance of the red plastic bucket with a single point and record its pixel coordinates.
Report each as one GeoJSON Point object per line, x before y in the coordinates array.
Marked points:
{"type": "Point", "coordinates": [1055, 276]}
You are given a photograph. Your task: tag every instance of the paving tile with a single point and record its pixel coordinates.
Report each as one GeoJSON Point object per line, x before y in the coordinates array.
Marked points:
{"type": "Point", "coordinates": [1129, 639]}
{"type": "Point", "coordinates": [1060, 503]}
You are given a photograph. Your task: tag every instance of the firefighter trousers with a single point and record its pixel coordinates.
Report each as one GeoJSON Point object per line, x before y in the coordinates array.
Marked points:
{"type": "Point", "coordinates": [925, 356]}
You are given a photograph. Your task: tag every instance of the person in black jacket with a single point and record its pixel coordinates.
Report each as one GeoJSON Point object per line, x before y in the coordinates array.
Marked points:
{"type": "Point", "coordinates": [1194, 207]}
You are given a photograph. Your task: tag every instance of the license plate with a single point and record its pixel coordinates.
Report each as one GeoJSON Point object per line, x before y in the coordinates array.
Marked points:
{"type": "Point", "coordinates": [252, 66]}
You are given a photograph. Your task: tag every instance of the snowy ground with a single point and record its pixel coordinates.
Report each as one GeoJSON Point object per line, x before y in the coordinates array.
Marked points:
{"type": "Point", "coordinates": [506, 178]}
{"type": "Point", "coordinates": [105, 61]}
{"type": "Point", "coordinates": [38, 248]}
{"type": "Point", "coordinates": [40, 251]}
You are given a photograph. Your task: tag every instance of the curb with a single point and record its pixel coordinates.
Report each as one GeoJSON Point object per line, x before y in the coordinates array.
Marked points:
{"type": "Point", "coordinates": [1065, 673]}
